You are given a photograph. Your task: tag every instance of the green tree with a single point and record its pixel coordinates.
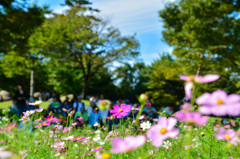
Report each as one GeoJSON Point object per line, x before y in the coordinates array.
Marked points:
{"type": "Point", "coordinates": [165, 86]}
{"type": "Point", "coordinates": [205, 35]}
{"type": "Point", "coordinates": [84, 42]}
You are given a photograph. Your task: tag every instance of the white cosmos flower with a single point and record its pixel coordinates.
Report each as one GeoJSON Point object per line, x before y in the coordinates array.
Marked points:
{"type": "Point", "coordinates": [101, 142]}
{"type": "Point", "coordinates": [167, 144]}
{"type": "Point", "coordinates": [97, 138]}
{"type": "Point", "coordinates": [145, 125]}
{"type": "Point", "coordinates": [97, 132]}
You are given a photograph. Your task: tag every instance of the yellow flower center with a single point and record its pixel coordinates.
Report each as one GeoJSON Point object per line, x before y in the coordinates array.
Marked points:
{"type": "Point", "coordinates": [79, 138]}
{"type": "Point", "coordinates": [163, 130]}
{"type": "Point", "coordinates": [219, 102]}
{"type": "Point", "coordinates": [113, 133]}
{"type": "Point", "coordinates": [64, 150]}
{"type": "Point", "coordinates": [227, 137]}
{"type": "Point", "coordinates": [191, 78]}
{"type": "Point", "coordinates": [51, 119]}
{"type": "Point", "coordinates": [106, 156]}
{"type": "Point", "coordinates": [25, 118]}
{"type": "Point", "coordinates": [39, 125]}
{"type": "Point", "coordinates": [98, 148]}
{"type": "Point", "coordinates": [120, 110]}
{"type": "Point", "coordinates": [59, 145]}
{"type": "Point", "coordinates": [145, 125]}
{"type": "Point", "coordinates": [45, 124]}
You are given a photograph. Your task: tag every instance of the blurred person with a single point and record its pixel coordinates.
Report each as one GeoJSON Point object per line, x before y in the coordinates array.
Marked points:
{"type": "Point", "coordinates": [151, 111]}
{"type": "Point", "coordinates": [100, 99]}
{"type": "Point", "coordinates": [94, 116]}
{"type": "Point", "coordinates": [55, 106]}
{"type": "Point", "coordinates": [89, 108]}
{"type": "Point", "coordinates": [82, 114]}
{"type": "Point", "coordinates": [20, 100]}
{"type": "Point", "coordinates": [66, 108]}
{"type": "Point", "coordinates": [93, 99]}
{"type": "Point", "coordinates": [78, 105]}
{"type": "Point", "coordinates": [46, 95]}
{"type": "Point", "coordinates": [169, 110]}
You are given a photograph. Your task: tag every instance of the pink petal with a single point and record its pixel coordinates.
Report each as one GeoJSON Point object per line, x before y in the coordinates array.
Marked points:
{"type": "Point", "coordinates": [116, 107]}
{"type": "Point", "coordinates": [184, 78]}
{"type": "Point", "coordinates": [209, 78]}
{"type": "Point", "coordinates": [163, 122]}
{"type": "Point", "coordinates": [188, 90]}
{"type": "Point", "coordinates": [171, 123]}
{"type": "Point", "coordinates": [203, 99]}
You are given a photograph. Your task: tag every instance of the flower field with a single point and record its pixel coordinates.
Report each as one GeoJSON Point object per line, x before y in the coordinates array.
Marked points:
{"type": "Point", "coordinates": [189, 133]}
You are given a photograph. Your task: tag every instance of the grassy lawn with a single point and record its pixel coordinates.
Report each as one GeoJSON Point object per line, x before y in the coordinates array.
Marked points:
{"type": "Point", "coordinates": [44, 105]}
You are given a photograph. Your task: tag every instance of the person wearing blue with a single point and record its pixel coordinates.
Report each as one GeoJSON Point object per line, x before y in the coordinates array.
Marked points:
{"type": "Point", "coordinates": [94, 116]}
{"type": "Point", "coordinates": [78, 105]}
{"type": "Point", "coordinates": [66, 108]}
{"type": "Point", "coordinates": [20, 100]}
{"type": "Point", "coordinates": [151, 111]}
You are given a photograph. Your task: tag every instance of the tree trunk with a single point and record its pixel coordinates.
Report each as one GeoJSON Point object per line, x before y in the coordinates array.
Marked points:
{"type": "Point", "coordinates": [32, 83]}
{"type": "Point", "coordinates": [84, 90]}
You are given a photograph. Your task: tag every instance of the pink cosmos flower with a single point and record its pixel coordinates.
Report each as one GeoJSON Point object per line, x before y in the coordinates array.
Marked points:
{"type": "Point", "coordinates": [219, 103]}
{"type": "Point", "coordinates": [79, 138]}
{"type": "Point", "coordinates": [68, 138]}
{"type": "Point", "coordinates": [51, 119]}
{"type": "Point", "coordinates": [39, 110]}
{"type": "Point", "coordinates": [98, 149]}
{"type": "Point", "coordinates": [230, 157]}
{"type": "Point", "coordinates": [233, 123]}
{"type": "Point", "coordinates": [191, 117]}
{"type": "Point", "coordinates": [38, 126]}
{"type": "Point", "coordinates": [35, 103]}
{"type": "Point", "coordinates": [89, 154]}
{"type": "Point", "coordinates": [119, 112]}
{"type": "Point", "coordinates": [45, 124]}
{"type": "Point", "coordinates": [66, 129]}
{"type": "Point", "coordinates": [163, 130]}
{"type": "Point", "coordinates": [227, 126]}
{"type": "Point", "coordinates": [198, 79]}
{"type": "Point", "coordinates": [28, 113]}
{"type": "Point", "coordinates": [188, 146]}
{"type": "Point", "coordinates": [74, 124]}
{"type": "Point", "coordinates": [228, 135]}
{"type": "Point", "coordinates": [216, 127]}
{"type": "Point", "coordinates": [5, 154]}
{"type": "Point", "coordinates": [80, 119]}
{"type": "Point", "coordinates": [141, 117]}
{"type": "Point", "coordinates": [150, 152]}
{"type": "Point", "coordinates": [56, 155]}
{"type": "Point", "coordinates": [186, 107]}
{"type": "Point", "coordinates": [25, 119]}
{"type": "Point", "coordinates": [130, 143]}
{"type": "Point", "coordinates": [133, 108]}
{"type": "Point", "coordinates": [58, 145]}
{"type": "Point", "coordinates": [155, 119]}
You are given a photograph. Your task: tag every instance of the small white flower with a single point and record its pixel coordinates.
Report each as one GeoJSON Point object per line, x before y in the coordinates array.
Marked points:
{"type": "Point", "coordinates": [97, 132]}
{"type": "Point", "coordinates": [97, 138]}
{"type": "Point", "coordinates": [76, 145]}
{"type": "Point", "coordinates": [150, 140]}
{"type": "Point", "coordinates": [101, 143]}
{"type": "Point", "coordinates": [167, 144]}
{"type": "Point", "coordinates": [4, 118]}
{"type": "Point", "coordinates": [145, 125]}
{"type": "Point", "coordinates": [70, 137]}
{"type": "Point", "coordinates": [96, 124]}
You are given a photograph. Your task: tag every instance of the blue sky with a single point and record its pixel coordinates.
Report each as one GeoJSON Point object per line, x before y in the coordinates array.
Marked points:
{"type": "Point", "coordinates": [131, 16]}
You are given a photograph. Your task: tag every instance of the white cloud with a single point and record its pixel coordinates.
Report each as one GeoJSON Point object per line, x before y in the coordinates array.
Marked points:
{"type": "Point", "coordinates": [132, 16]}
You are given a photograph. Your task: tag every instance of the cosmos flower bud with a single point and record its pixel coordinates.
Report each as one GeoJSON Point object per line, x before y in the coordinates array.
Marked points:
{"type": "Point", "coordinates": [143, 98]}
{"type": "Point", "coordinates": [203, 134]}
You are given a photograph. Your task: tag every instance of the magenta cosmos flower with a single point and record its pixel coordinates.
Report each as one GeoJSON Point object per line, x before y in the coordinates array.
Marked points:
{"type": "Point", "coordinates": [163, 130]}
{"type": "Point", "coordinates": [98, 149]}
{"type": "Point", "coordinates": [79, 119]}
{"type": "Point", "coordinates": [219, 103]}
{"type": "Point", "coordinates": [51, 119]}
{"type": "Point", "coordinates": [79, 138]}
{"type": "Point", "coordinates": [119, 112]}
{"type": "Point", "coordinates": [228, 135]}
{"type": "Point", "coordinates": [191, 117]}
{"type": "Point", "coordinates": [198, 79]}
{"type": "Point", "coordinates": [130, 143]}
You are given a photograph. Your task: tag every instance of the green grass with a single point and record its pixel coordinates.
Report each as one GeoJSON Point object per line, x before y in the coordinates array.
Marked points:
{"type": "Point", "coordinates": [44, 105]}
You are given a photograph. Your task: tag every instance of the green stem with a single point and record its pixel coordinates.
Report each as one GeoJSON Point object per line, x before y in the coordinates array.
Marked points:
{"type": "Point", "coordinates": [137, 118]}
{"type": "Point", "coordinates": [189, 141]}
